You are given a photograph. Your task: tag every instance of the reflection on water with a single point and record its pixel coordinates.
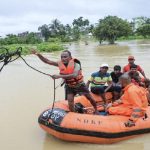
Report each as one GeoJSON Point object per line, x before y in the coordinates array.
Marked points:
{"type": "Point", "coordinates": [25, 93]}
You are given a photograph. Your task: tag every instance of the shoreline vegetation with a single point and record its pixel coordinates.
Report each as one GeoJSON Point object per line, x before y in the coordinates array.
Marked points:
{"type": "Point", "coordinates": [43, 47]}
{"type": "Point", "coordinates": [51, 47]}
{"type": "Point", "coordinates": [55, 36]}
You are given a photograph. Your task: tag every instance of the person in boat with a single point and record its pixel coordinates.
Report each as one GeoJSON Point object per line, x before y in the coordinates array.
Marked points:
{"type": "Point", "coordinates": [98, 81]}
{"type": "Point", "coordinates": [147, 89]}
{"type": "Point", "coordinates": [115, 75]}
{"type": "Point", "coordinates": [131, 61]}
{"type": "Point", "coordinates": [133, 102]}
{"type": "Point", "coordinates": [135, 77]}
{"type": "Point", "coordinates": [71, 72]}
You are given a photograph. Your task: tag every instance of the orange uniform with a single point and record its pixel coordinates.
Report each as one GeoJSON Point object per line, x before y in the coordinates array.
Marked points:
{"type": "Point", "coordinates": [127, 68]}
{"type": "Point", "coordinates": [134, 103]}
{"type": "Point", "coordinates": [69, 69]}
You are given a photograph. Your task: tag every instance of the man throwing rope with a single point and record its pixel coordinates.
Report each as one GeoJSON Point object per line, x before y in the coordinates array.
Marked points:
{"type": "Point", "coordinates": [71, 72]}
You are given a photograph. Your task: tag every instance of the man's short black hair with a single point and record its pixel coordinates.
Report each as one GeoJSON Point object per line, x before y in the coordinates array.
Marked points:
{"type": "Point", "coordinates": [133, 66]}
{"type": "Point", "coordinates": [117, 67]}
{"type": "Point", "coordinates": [67, 52]}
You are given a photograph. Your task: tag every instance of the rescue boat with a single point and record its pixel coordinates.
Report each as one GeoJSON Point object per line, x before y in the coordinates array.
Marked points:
{"type": "Point", "coordinates": [90, 128]}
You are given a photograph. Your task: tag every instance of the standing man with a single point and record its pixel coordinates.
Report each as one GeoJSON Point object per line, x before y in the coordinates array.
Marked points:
{"type": "Point", "coordinates": [131, 61]}
{"type": "Point", "coordinates": [70, 71]}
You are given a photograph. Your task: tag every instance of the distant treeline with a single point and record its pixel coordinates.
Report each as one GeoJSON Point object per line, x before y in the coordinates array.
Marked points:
{"type": "Point", "coordinates": [108, 29]}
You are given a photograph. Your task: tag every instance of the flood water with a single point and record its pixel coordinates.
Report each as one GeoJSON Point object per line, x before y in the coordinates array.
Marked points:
{"type": "Point", "coordinates": [24, 94]}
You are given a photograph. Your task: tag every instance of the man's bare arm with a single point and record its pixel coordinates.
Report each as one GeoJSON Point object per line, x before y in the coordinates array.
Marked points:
{"type": "Point", "coordinates": [45, 60]}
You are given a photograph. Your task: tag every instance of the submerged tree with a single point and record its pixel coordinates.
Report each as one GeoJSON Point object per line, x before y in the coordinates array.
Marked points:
{"type": "Point", "coordinates": [110, 28]}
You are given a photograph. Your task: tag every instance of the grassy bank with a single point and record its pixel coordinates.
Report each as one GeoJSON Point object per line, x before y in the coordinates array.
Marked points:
{"type": "Point", "coordinates": [123, 38]}
{"type": "Point", "coordinates": [43, 47]}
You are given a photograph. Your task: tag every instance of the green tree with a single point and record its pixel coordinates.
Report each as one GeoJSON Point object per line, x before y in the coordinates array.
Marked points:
{"type": "Point", "coordinates": [110, 28]}
{"type": "Point", "coordinates": [144, 30]}
{"type": "Point", "coordinates": [76, 33]}
{"type": "Point", "coordinates": [80, 27]}
{"type": "Point", "coordinates": [140, 21]}
{"type": "Point", "coordinates": [44, 29]}
{"type": "Point", "coordinates": [11, 39]}
{"type": "Point", "coordinates": [32, 38]}
{"type": "Point", "coordinates": [57, 29]}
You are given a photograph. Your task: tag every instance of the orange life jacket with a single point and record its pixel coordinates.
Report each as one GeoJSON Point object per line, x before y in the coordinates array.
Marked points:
{"type": "Point", "coordinates": [69, 69]}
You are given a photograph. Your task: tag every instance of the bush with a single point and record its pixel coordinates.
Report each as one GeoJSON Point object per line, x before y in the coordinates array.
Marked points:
{"type": "Point", "coordinates": [43, 47]}
{"type": "Point", "coordinates": [25, 48]}
{"type": "Point", "coordinates": [54, 40]}
{"type": "Point", "coordinates": [46, 47]}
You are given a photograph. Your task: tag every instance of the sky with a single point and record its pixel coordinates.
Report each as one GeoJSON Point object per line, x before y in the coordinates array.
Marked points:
{"type": "Point", "coordinates": [18, 16]}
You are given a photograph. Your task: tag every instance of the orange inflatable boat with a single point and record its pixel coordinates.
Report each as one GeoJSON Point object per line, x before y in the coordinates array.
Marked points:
{"type": "Point", "coordinates": [83, 127]}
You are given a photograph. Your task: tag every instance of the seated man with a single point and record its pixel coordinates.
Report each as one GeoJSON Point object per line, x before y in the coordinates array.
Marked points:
{"type": "Point", "coordinates": [132, 103]}
{"type": "Point", "coordinates": [98, 80]}
{"type": "Point", "coordinates": [115, 82]}
{"type": "Point", "coordinates": [134, 75]}
{"type": "Point", "coordinates": [147, 88]}
{"type": "Point", "coordinates": [131, 61]}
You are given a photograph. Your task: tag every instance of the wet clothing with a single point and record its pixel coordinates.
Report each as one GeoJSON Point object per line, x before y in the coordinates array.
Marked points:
{"type": "Point", "coordinates": [81, 89]}
{"type": "Point", "coordinates": [127, 68]}
{"type": "Point", "coordinates": [134, 103]}
{"type": "Point", "coordinates": [73, 65]}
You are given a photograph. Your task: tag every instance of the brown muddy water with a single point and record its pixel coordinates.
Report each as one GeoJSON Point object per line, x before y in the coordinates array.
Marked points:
{"type": "Point", "coordinates": [24, 94]}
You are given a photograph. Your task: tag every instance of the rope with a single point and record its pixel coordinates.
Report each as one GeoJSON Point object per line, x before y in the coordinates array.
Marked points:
{"type": "Point", "coordinates": [2, 67]}
{"type": "Point", "coordinates": [55, 87]}
{"type": "Point", "coordinates": [53, 99]}
{"type": "Point", "coordinates": [7, 58]}
{"type": "Point", "coordinates": [35, 68]}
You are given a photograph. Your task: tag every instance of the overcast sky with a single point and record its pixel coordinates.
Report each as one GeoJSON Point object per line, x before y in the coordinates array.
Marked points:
{"type": "Point", "coordinates": [27, 15]}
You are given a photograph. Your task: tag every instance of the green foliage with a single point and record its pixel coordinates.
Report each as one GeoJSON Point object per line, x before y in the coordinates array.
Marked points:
{"type": "Point", "coordinates": [110, 28]}
{"type": "Point", "coordinates": [10, 39]}
{"type": "Point", "coordinates": [29, 38]}
{"type": "Point", "coordinates": [80, 22]}
{"type": "Point", "coordinates": [25, 48]}
{"type": "Point", "coordinates": [54, 40]}
{"type": "Point", "coordinates": [76, 33]}
{"type": "Point", "coordinates": [44, 29]}
{"type": "Point", "coordinates": [144, 30]}
{"type": "Point", "coordinates": [46, 47]}
{"type": "Point", "coordinates": [43, 47]}
{"type": "Point", "coordinates": [80, 27]}
{"type": "Point", "coordinates": [131, 37]}
{"type": "Point", "coordinates": [139, 21]}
